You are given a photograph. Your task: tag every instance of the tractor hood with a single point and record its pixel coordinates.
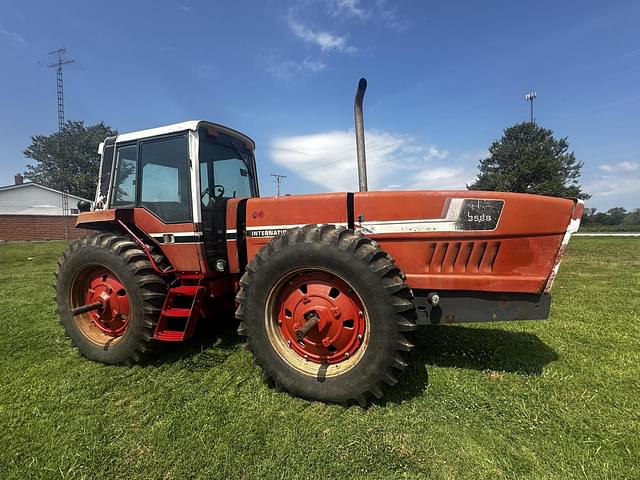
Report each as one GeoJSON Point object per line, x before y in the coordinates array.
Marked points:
{"type": "Point", "coordinates": [445, 240]}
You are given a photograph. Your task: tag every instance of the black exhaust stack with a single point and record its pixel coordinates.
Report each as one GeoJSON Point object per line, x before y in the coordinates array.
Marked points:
{"type": "Point", "coordinates": [362, 158]}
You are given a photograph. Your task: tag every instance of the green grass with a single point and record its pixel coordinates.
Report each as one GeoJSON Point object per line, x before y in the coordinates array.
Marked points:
{"type": "Point", "coordinates": [610, 228]}
{"type": "Point", "coordinates": [551, 399]}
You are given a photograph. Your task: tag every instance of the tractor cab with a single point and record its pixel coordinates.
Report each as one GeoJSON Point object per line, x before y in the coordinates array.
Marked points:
{"type": "Point", "coordinates": [178, 180]}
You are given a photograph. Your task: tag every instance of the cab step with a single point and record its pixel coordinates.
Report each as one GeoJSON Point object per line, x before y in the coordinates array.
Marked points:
{"type": "Point", "coordinates": [180, 313]}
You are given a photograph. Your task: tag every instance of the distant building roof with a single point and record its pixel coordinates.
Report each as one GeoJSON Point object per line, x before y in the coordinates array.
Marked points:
{"type": "Point", "coordinates": [31, 184]}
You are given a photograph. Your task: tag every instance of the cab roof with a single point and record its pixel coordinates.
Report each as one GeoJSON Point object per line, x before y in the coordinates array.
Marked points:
{"type": "Point", "coordinates": [181, 127]}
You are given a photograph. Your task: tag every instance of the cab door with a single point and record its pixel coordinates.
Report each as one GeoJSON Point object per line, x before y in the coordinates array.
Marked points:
{"type": "Point", "coordinates": [226, 172]}
{"type": "Point", "coordinates": [213, 207]}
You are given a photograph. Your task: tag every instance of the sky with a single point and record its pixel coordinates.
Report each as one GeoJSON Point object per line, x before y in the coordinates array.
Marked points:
{"type": "Point", "coordinates": [445, 79]}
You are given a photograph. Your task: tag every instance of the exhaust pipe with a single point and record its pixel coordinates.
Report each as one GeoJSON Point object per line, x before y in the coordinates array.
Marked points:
{"type": "Point", "coordinates": [362, 158]}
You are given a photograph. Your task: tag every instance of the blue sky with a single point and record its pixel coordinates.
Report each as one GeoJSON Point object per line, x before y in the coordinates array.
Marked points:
{"type": "Point", "coordinates": [445, 78]}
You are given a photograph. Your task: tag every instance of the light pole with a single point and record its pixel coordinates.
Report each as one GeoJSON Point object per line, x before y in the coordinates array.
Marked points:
{"type": "Point", "coordinates": [531, 96]}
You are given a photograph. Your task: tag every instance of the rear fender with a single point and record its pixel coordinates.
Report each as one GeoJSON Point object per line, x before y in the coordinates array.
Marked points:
{"type": "Point", "coordinates": [572, 227]}
{"type": "Point", "coordinates": [180, 244]}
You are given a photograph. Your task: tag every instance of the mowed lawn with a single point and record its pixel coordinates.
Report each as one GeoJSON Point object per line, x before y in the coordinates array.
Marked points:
{"type": "Point", "coordinates": [549, 399]}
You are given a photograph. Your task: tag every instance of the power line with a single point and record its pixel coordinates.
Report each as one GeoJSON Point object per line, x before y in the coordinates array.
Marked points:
{"type": "Point", "coordinates": [278, 178]}
{"type": "Point", "coordinates": [60, 92]}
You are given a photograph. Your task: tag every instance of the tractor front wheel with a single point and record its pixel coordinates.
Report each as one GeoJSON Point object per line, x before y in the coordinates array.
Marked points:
{"type": "Point", "coordinates": [325, 311]}
{"type": "Point", "coordinates": [109, 298]}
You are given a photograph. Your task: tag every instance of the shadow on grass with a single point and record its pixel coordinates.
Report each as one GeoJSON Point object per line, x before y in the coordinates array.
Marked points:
{"type": "Point", "coordinates": [197, 352]}
{"type": "Point", "coordinates": [443, 346]}
{"type": "Point", "coordinates": [492, 350]}
{"type": "Point", "coordinates": [483, 349]}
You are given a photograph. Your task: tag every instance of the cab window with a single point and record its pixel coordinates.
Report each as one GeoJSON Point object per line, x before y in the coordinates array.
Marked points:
{"type": "Point", "coordinates": [225, 168]}
{"type": "Point", "coordinates": [233, 175]}
{"type": "Point", "coordinates": [164, 179]}
{"type": "Point", "coordinates": [124, 188]}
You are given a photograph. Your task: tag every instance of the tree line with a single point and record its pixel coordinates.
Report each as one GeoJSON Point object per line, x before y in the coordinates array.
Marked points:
{"type": "Point", "coordinates": [613, 219]}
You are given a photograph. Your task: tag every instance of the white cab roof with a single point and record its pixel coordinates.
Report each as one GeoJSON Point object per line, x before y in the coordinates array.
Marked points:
{"type": "Point", "coordinates": [181, 127]}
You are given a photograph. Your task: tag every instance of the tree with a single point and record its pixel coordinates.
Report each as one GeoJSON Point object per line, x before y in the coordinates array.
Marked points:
{"type": "Point", "coordinates": [588, 216]}
{"type": "Point", "coordinates": [79, 147]}
{"type": "Point", "coordinates": [632, 218]}
{"type": "Point", "coordinates": [529, 159]}
{"type": "Point", "coordinates": [616, 215]}
{"type": "Point", "coordinates": [601, 218]}
{"type": "Point", "coordinates": [613, 217]}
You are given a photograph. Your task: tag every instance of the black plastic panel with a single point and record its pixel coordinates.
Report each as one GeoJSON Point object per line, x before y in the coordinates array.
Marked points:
{"type": "Point", "coordinates": [467, 307]}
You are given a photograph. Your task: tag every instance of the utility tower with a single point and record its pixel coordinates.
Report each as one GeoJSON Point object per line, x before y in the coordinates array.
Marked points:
{"type": "Point", "coordinates": [60, 87]}
{"type": "Point", "coordinates": [278, 178]}
{"type": "Point", "coordinates": [531, 96]}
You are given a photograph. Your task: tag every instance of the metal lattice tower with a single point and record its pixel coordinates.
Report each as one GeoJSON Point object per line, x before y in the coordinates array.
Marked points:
{"type": "Point", "coordinates": [60, 91]}
{"type": "Point", "coordinates": [531, 96]}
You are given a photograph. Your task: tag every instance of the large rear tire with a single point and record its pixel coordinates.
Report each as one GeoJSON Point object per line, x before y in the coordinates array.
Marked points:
{"type": "Point", "coordinates": [356, 296]}
{"type": "Point", "coordinates": [111, 269]}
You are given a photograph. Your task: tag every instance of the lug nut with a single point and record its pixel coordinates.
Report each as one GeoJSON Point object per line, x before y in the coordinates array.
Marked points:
{"type": "Point", "coordinates": [346, 354]}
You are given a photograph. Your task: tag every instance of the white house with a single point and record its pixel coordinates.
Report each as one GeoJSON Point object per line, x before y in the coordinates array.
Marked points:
{"type": "Point", "coordinates": [33, 199]}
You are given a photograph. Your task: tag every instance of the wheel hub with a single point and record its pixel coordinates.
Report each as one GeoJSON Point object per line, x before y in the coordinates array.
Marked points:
{"type": "Point", "coordinates": [340, 326]}
{"type": "Point", "coordinates": [103, 286]}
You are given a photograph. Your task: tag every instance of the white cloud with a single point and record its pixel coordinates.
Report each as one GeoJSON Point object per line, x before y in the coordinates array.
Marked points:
{"type": "Point", "coordinates": [440, 178]}
{"type": "Point", "coordinates": [614, 191]}
{"type": "Point", "coordinates": [435, 152]}
{"type": "Point", "coordinates": [615, 185]}
{"type": "Point", "coordinates": [379, 11]}
{"type": "Point", "coordinates": [620, 167]}
{"type": "Point", "coordinates": [325, 40]}
{"type": "Point", "coordinates": [629, 166]}
{"type": "Point", "coordinates": [337, 12]}
{"type": "Point", "coordinates": [349, 8]}
{"type": "Point", "coordinates": [288, 69]}
{"type": "Point", "coordinates": [13, 37]}
{"type": "Point", "coordinates": [393, 161]}
{"type": "Point", "coordinates": [389, 16]}
{"type": "Point", "coordinates": [313, 65]}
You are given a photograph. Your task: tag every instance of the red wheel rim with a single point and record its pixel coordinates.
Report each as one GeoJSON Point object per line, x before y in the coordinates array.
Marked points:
{"type": "Point", "coordinates": [341, 326]}
{"type": "Point", "coordinates": [107, 325]}
{"type": "Point", "coordinates": [103, 286]}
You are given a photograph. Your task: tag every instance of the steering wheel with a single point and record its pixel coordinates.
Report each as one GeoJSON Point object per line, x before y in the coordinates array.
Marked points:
{"type": "Point", "coordinates": [218, 191]}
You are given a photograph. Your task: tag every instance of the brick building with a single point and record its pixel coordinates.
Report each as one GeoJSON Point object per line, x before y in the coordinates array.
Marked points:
{"type": "Point", "coordinates": [29, 211]}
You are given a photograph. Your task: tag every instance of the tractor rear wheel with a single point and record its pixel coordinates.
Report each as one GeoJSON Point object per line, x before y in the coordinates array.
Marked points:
{"type": "Point", "coordinates": [112, 277]}
{"type": "Point", "coordinates": [325, 311]}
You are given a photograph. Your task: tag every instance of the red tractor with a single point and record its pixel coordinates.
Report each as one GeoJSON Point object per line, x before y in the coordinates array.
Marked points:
{"type": "Point", "coordinates": [326, 286]}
